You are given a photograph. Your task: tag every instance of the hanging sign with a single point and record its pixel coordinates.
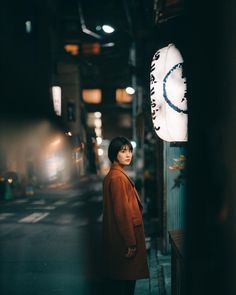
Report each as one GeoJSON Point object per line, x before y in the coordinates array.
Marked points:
{"type": "Point", "coordinates": [168, 95]}
{"type": "Point", "coordinates": [56, 96]}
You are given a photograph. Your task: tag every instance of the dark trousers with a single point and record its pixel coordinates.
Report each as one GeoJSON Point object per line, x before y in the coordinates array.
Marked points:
{"type": "Point", "coordinates": [120, 287]}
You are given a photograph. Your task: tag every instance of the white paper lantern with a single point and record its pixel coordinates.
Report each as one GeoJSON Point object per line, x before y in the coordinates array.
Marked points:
{"type": "Point", "coordinates": [168, 90]}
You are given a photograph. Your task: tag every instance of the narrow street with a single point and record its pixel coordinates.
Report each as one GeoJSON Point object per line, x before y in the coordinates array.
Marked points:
{"type": "Point", "coordinates": [51, 243]}
{"type": "Point", "coordinates": [46, 240]}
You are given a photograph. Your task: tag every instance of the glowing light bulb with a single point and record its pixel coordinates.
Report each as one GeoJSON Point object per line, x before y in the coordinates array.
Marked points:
{"type": "Point", "coordinates": [130, 90]}
{"type": "Point", "coordinates": [133, 144]}
{"type": "Point", "coordinates": [108, 29]}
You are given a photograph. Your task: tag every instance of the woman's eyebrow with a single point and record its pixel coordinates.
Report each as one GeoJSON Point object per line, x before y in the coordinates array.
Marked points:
{"type": "Point", "coordinates": [126, 148]}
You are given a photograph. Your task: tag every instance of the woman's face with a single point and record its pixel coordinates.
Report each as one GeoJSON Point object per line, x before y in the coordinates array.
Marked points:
{"type": "Point", "coordinates": [124, 156]}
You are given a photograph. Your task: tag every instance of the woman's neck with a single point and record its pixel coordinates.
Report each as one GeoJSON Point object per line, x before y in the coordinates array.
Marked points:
{"type": "Point", "coordinates": [117, 163]}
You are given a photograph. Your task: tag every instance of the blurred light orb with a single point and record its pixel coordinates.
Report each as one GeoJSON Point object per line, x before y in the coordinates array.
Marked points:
{"type": "Point", "coordinates": [110, 44]}
{"type": "Point", "coordinates": [56, 96]}
{"type": "Point", "coordinates": [130, 90]}
{"type": "Point", "coordinates": [98, 123]}
{"type": "Point", "coordinates": [28, 26]}
{"type": "Point", "coordinates": [133, 144]}
{"type": "Point", "coordinates": [108, 29]}
{"type": "Point", "coordinates": [98, 28]}
{"type": "Point", "coordinates": [98, 131]}
{"type": "Point", "coordinates": [56, 142]}
{"type": "Point", "coordinates": [99, 140]}
{"type": "Point", "coordinates": [100, 152]}
{"type": "Point", "coordinates": [97, 115]}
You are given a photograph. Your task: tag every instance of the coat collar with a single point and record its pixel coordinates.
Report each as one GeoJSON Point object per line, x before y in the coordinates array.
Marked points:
{"type": "Point", "coordinates": [116, 166]}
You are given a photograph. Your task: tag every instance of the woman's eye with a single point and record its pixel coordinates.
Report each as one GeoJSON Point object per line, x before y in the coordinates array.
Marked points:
{"type": "Point", "coordinates": [126, 150]}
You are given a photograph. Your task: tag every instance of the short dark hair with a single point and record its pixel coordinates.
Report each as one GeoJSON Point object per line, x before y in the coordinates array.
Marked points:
{"type": "Point", "coordinates": [116, 145]}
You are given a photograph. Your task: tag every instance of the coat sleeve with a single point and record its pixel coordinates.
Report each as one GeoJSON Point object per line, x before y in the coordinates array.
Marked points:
{"type": "Point", "coordinates": [122, 211]}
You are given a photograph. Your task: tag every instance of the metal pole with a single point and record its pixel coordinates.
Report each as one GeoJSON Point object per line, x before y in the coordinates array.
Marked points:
{"type": "Point", "coordinates": [134, 103]}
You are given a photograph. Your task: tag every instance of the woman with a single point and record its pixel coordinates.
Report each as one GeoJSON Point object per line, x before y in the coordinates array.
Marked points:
{"type": "Point", "coordinates": [123, 230]}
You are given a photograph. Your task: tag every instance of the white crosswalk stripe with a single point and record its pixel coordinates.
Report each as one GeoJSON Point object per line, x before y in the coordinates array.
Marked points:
{"type": "Point", "coordinates": [60, 203]}
{"type": "Point", "coordinates": [41, 208]}
{"type": "Point", "coordinates": [21, 201]}
{"type": "Point", "coordinates": [40, 202]}
{"type": "Point", "coordinates": [72, 195]}
{"type": "Point", "coordinates": [96, 199]}
{"type": "Point", "coordinates": [33, 218]}
{"type": "Point", "coordinates": [78, 204]}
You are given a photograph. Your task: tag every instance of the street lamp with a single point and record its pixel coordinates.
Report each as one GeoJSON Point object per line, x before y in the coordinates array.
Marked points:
{"type": "Point", "coordinates": [108, 29]}
{"type": "Point", "coordinates": [130, 90]}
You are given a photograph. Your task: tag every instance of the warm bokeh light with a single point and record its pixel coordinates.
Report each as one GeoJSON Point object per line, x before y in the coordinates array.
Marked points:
{"type": "Point", "coordinates": [73, 49]}
{"type": "Point", "coordinates": [98, 123]}
{"type": "Point", "coordinates": [97, 115]}
{"type": "Point", "coordinates": [36, 152]}
{"type": "Point", "coordinates": [91, 48]}
{"type": "Point", "coordinates": [98, 131]}
{"type": "Point", "coordinates": [93, 121]}
{"type": "Point", "coordinates": [56, 142]}
{"type": "Point", "coordinates": [124, 120]}
{"type": "Point", "coordinates": [122, 96]}
{"type": "Point", "coordinates": [93, 96]}
{"type": "Point", "coordinates": [100, 152]}
{"type": "Point", "coordinates": [99, 140]}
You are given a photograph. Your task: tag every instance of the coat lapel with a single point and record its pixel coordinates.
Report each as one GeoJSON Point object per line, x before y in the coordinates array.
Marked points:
{"type": "Point", "coordinates": [117, 167]}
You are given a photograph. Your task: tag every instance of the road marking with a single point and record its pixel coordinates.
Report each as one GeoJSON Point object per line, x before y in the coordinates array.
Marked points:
{"type": "Point", "coordinates": [72, 195]}
{"type": "Point", "coordinates": [41, 208]}
{"type": "Point", "coordinates": [60, 203]}
{"type": "Point", "coordinates": [40, 202]}
{"type": "Point", "coordinates": [66, 219]}
{"type": "Point", "coordinates": [83, 222]}
{"type": "Point", "coordinates": [5, 215]}
{"type": "Point", "coordinates": [96, 199]}
{"type": "Point", "coordinates": [21, 201]}
{"type": "Point", "coordinates": [79, 203]}
{"type": "Point", "coordinates": [49, 208]}
{"type": "Point", "coordinates": [34, 217]}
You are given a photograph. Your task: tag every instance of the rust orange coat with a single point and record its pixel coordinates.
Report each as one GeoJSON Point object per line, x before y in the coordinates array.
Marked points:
{"type": "Point", "coordinates": [122, 227]}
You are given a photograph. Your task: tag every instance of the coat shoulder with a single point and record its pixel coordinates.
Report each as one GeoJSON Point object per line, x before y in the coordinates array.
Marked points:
{"type": "Point", "coordinates": [116, 174]}
{"type": "Point", "coordinates": [113, 172]}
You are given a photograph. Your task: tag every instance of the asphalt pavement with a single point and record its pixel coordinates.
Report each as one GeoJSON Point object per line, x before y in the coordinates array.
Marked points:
{"type": "Point", "coordinates": [51, 243]}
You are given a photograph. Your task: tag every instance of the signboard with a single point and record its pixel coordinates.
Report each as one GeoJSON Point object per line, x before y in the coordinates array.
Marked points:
{"type": "Point", "coordinates": [56, 96]}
